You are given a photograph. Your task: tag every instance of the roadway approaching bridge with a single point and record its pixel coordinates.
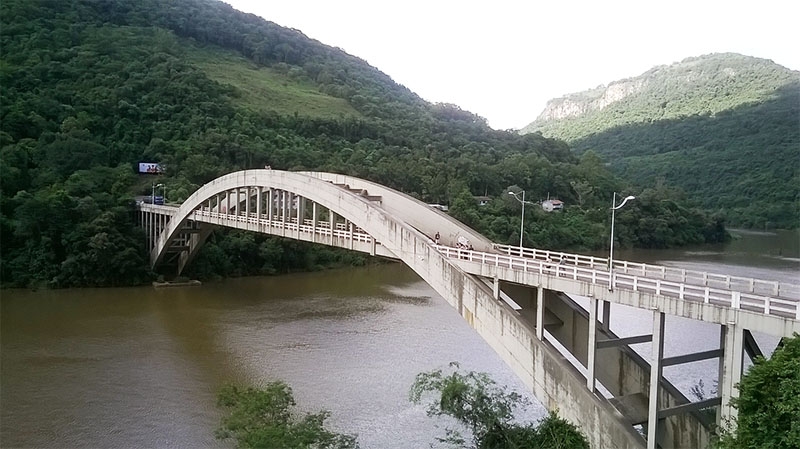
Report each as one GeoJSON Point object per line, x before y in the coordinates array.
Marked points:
{"type": "Point", "coordinates": [516, 298]}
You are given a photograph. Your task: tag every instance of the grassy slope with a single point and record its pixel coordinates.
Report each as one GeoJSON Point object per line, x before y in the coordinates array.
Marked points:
{"type": "Point", "coordinates": [264, 89]}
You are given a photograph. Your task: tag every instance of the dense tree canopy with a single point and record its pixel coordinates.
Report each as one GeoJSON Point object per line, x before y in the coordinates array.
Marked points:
{"type": "Point", "coordinates": [486, 411]}
{"type": "Point", "coordinates": [265, 418]}
{"type": "Point", "coordinates": [90, 88]}
{"type": "Point", "coordinates": [769, 402]}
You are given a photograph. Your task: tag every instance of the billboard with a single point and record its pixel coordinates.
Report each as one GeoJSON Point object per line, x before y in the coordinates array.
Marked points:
{"type": "Point", "coordinates": [150, 167]}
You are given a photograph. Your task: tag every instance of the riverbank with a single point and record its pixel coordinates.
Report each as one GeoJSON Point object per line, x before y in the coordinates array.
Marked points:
{"type": "Point", "coordinates": [168, 284]}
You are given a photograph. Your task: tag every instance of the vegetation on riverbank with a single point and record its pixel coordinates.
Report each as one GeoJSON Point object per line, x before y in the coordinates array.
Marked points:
{"type": "Point", "coordinates": [768, 405]}
{"type": "Point", "coordinates": [90, 88]}
{"type": "Point", "coordinates": [485, 411]}
{"type": "Point", "coordinates": [768, 402]}
{"type": "Point", "coordinates": [264, 418]}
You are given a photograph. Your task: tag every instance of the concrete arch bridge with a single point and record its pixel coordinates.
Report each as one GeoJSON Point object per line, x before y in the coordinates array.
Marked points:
{"type": "Point", "coordinates": [520, 300]}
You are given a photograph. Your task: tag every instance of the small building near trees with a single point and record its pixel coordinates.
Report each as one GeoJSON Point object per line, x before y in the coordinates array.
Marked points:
{"type": "Point", "coordinates": [551, 205]}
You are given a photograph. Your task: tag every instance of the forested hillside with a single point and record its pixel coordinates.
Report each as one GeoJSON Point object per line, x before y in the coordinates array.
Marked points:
{"type": "Point", "coordinates": [89, 88]}
{"type": "Point", "coordinates": [725, 128]}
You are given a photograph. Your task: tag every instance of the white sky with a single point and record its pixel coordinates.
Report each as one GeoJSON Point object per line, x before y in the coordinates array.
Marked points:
{"type": "Point", "coordinates": [503, 59]}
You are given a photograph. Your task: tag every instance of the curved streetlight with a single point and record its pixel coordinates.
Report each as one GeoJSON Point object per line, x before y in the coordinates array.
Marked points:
{"type": "Point", "coordinates": [153, 193]}
{"type": "Point", "coordinates": [522, 220]}
{"type": "Point", "coordinates": [614, 207]}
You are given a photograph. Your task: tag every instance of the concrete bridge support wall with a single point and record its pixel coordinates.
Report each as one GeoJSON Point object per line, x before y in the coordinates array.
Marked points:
{"type": "Point", "coordinates": [619, 369]}
{"type": "Point", "coordinates": [551, 378]}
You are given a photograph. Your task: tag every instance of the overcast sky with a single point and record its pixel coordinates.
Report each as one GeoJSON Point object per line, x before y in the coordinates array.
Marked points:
{"type": "Point", "coordinates": [503, 59]}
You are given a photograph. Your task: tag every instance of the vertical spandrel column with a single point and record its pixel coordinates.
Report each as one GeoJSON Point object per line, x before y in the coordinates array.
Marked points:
{"type": "Point", "coordinates": [731, 369]}
{"type": "Point", "coordinates": [332, 217]}
{"type": "Point", "coordinates": [606, 316]}
{"type": "Point", "coordinates": [247, 193]}
{"type": "Point", "coordinates": [238, 202]}
{"type": "Point", "coordinates": [301, 202]}
{"type": "Point", "coordinates": [313, 221]}
{"type": "Point", "coordinates": [540, 313]}
{"type": "Point", "coordinates": [590, 359]}
{"type": "Point", "coordinates": [655, 379]}
{"type": "Point", "coordinates": [270, 206]}
{"type": "Point", "coordinates": [259, 201]}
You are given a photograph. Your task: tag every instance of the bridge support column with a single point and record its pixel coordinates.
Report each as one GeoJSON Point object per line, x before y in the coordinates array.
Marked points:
{"type": "Point", "coordinates": [301, 213]}
{"type": "Point", "coordinates": [590, 365]}
{"type": "Point", "coordinates": [540, 313]}
{"type": "Point", "coordinates": [606, 316]}
{"type": "Point", "coordinates": [270, 207]}
{"type": "Point", "coordinates": [247, 207]}
{"type": "Point", "coordinates": [730, 370]}
{"type": "Point", "coordinates": [152, 221]}
{"type": "Point", "coordinates": [284, 215]}
{"type": "Point", "coordinates": [259, 207]}
{"type": "Point", "coordinates": [227, 201]}
{"type": "Point", "coordinates": [496, 288]}
{"type": "Point", "coordinates": [238, 201]}
{"type": "Point", "coordinates": [332, 217]}
{"type": "Point", "coordinates": [350, 227]}
{"type": "Point", "coordinates": [314, 223]}
{"type": "Point", "coordinates": [655, 378]}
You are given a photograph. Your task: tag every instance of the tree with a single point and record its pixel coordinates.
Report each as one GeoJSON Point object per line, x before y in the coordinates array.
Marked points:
{"type": "Point", "coordinates": [487, 412]}
{"type": "Point", "coordinates": [264, 419]}
{"type": "Point", "coordinates": [769, 402]}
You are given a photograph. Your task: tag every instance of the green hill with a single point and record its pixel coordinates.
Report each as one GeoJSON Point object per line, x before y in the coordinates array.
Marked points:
{"type": "Point", "coordinates": [725, 128]}
{"type": "Point", "coordinates": [89, 88]}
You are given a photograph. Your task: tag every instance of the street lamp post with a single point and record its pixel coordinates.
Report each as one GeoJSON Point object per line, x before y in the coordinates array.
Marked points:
{"type": "Point", "coordinates": [153, 193]}
{"type": "Point", "coordinates": [614, 207]}
{"type": "Point", "coordinates": [522, 220]}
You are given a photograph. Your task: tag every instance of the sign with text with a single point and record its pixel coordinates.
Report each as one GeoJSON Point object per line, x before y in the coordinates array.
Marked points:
{"type": "Point", "coordinates": [150, 167]}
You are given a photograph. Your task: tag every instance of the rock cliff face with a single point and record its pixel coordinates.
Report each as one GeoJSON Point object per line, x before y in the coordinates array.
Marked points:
{"type": "Point", "coordinates": [596, 99]}
{"type": "Point", "coordinates": [702, 85]}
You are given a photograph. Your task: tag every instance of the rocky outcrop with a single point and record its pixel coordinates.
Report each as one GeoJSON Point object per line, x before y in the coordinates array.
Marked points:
{"type": "Point", "coordinates": [596, 99]}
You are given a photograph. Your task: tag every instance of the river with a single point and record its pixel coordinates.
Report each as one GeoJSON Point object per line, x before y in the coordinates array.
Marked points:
{"type": "Point", "coordinates": [140, 367]}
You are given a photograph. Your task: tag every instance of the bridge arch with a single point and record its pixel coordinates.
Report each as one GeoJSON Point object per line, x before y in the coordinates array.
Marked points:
{"type": "Point", "coordinates": [358, 208]}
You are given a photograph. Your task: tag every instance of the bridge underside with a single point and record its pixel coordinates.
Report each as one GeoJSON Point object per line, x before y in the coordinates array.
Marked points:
{"type": "Point", "coordinates": [564, 351]}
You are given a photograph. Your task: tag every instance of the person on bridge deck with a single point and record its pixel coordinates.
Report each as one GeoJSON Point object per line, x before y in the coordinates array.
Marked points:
{"type": "Point", "coordinates": [436, 238]}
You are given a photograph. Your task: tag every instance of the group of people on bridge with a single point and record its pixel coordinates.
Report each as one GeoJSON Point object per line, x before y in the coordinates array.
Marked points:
{"type": "Point", "coordinates": [461, 242]}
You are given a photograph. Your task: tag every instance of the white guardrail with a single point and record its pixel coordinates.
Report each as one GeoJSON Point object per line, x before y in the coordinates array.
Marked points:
{"type": "Point", "coordinates": [741, 284]}
{"type": "Point", "coordinates": [768, 297]}
{"type": "Point", "coordinates": [322, 228]}
{"type": "Point", "coordinates": [594, 270]}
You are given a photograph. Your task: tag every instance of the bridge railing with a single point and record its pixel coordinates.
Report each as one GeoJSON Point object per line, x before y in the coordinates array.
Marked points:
{"type": "Point", "coordinates": [742, 284]}
{"type": "Point", "coordinates": [322, 228]}
{"type": "Point", "coordinates": [584, 272]}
